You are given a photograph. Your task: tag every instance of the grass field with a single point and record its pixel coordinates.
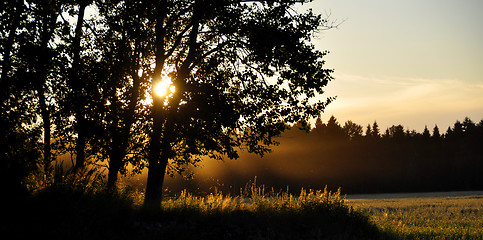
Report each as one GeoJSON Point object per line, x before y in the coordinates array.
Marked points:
{"type": "Point", "coordinates": [64, 213]}
{"type": "Point", "coordinates": [67, 213]}
{"type": "Point", "coordinates": [426, 217]}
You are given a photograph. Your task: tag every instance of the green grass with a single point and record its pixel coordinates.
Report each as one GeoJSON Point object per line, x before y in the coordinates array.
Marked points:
{"type": "Point", "coordinates": [427, 218]}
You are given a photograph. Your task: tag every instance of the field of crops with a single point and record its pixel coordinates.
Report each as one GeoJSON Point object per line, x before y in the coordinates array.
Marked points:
{"type": "Point", "coordinates": [427, 217]}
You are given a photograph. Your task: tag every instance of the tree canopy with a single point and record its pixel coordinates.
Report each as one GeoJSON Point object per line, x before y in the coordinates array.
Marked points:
{"type": "Point", "coordinates": [81, 77]}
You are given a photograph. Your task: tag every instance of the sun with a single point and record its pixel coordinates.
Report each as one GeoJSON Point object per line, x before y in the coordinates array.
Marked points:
{"type": "Point", "coordinates": [164, 88]}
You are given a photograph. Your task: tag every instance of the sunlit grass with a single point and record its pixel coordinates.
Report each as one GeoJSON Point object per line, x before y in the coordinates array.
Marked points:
{"type": "Point", "coordinates": [255, 198]}
{"type": "Point", "coordinates": [259, 214]}
{"type": "Point", "coordinates": [427, 218]}
{"type": "Point", "coordinates": [253, 214]}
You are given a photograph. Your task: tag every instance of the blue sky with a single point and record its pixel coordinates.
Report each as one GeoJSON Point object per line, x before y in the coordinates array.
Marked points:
{"type": "Point", "coordinates": [408, 62]}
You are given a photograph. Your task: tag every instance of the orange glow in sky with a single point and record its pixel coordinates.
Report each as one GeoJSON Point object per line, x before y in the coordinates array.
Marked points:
{"type": "Point", "coordinates": [411, 62]}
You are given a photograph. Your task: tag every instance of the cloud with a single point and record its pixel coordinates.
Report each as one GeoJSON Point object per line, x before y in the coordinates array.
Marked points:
{"type": "Point", "coordinates": [407, 101]}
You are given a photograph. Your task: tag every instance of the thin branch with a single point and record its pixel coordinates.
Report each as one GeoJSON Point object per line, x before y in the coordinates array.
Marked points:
{"type": "Point", "coordinates": [178, 40]}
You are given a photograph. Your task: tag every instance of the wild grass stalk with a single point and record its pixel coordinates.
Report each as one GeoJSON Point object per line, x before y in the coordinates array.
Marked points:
{"type": "Point", "coordinates": [255, 198]}
{"type": "Point", "coordinates": [258, 213]}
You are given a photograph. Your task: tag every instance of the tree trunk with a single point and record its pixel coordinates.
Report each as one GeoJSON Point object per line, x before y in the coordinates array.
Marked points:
{"type": "Point", "coordinates": [80, 146]}
{"type": "Point", "coordinates": [156, 170]}
{"type": "Point", "coordinates": [161, 151]}
{"type": "Point", "coordinates": [154, 190]}
{"type": "Point", "coordinates": [44, 64]}
{"type": "Point", "coordinates": [115, 161]}
{"type": "Point", "coordinates": [76, 87]}
{"type": "Point", "coordinates": [154, 186]}
{"type": "Point", "coordinates": [46, 128]}
{"type": "Point", "coordinates": [120, 142]}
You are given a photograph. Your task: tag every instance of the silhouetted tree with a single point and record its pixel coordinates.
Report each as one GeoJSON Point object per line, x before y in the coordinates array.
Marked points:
{"type": "Point", "coordinates": [19, 131]}
{"type": "Point", "coordinates": [318, 123]}
{"type": "Point", "coordinates": [242, 73]}
{"type": "Point", "coordinates": [220, 55]}
{"type": "Point", "coordinates": [124, 72]}
{"type": "Point", "coordinates": [449, 133]}
{"type": "Point", "coordinates": [334, 130]}
{"type": "Point", "coordinates": [41, 61]}
{"type": "Point", "coordinates": [468, 125]}
{"type": "Point", "coordinates": [457, 129]}
{"type": "Point", "coordinates": [480, 124]}
{"type": "Point", "coordinates": [436, 135]}
{"type": "Point", "coordinates": [78, 89]}
{"type": "Point", "coordinates": [368, 130]}
{"type": "Point", "coordinates": [352, 130]}
{"type": "Point", "coordinates": [32, 81]}
{"type": "Point", "coordinates": [396, 132]}
{"type": "Point", "coordinates": [319, 129]}
{"type": "Point", "coordinates": [426, 135]}
{"type": "Point", "coordinates": [375, 130]}
{"type": "Point", "coordinates": [12, 19]}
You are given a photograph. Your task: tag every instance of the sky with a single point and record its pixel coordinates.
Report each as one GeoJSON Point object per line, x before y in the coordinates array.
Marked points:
{"type": "Point", "coordinates": [410, 62]}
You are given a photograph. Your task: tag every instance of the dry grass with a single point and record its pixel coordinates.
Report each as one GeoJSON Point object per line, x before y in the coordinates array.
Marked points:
{"type": "Point", "coordinates": [427, 218]}
{"type": "Point", "coordinates": [260, 214]}
{"type": "Point", "coordinates": [71, 213]}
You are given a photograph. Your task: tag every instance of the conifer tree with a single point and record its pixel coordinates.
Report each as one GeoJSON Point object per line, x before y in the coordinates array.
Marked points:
{"type": "Point", "coordinates": [436, 134]}
{"type": "Point", "coordinates": [426, 135]}
{"type": "Point", "coordinates": [368, 130]}
{"type": "Point", "coordinates": [375, 130]}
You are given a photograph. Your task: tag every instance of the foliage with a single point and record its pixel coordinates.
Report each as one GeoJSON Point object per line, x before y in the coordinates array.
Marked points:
{"type": "Point", "coordinates": [82, 74]}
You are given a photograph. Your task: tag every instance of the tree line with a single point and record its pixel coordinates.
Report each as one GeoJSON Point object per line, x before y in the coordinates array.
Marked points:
{"type": "Point", "coordinates": [396, 159]}
{"type": "Point", "coordinates": [355, 158]}
{"type": "Point", "coordinates": [78, 79]}
{"type": "Point", "coordinates": [353, 131]}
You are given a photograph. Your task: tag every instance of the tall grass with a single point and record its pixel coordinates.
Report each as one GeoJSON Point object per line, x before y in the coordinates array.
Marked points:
{"type": "Point", "coordinates": [257, 200]}
{"type": "Point", "coordinates": [259, 214]}
{"type": "Point", "coordinates": [64, 212]}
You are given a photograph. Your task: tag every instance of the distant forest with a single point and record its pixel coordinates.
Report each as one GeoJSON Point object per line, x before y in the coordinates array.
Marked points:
{"type": "Point", "coordinates": [397, 159]}
{"type": "Point", "coordinates": [360, 160]}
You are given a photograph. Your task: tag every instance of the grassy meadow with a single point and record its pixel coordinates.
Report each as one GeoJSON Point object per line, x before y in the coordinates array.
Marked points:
{"type": "Point", "coordinates": [67, 212]}
{"type": "Point", "coordinates": [426, 218]}
{"type": "Point", "coordinates": [70, 213]}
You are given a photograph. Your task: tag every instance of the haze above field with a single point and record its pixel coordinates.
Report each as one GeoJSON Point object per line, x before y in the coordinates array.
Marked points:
{"type": "Point", "coordinates": [413, 63]}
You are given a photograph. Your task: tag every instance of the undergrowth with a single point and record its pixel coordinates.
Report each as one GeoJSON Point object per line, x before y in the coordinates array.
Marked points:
{"type": "Point", "coordinates": [256, 214]}
{"type": "Point", "coordinates": [61, 211]}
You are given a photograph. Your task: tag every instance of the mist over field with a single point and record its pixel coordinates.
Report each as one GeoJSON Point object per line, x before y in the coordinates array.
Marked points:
{"type": "Point", "coordinates": [397, 160]}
